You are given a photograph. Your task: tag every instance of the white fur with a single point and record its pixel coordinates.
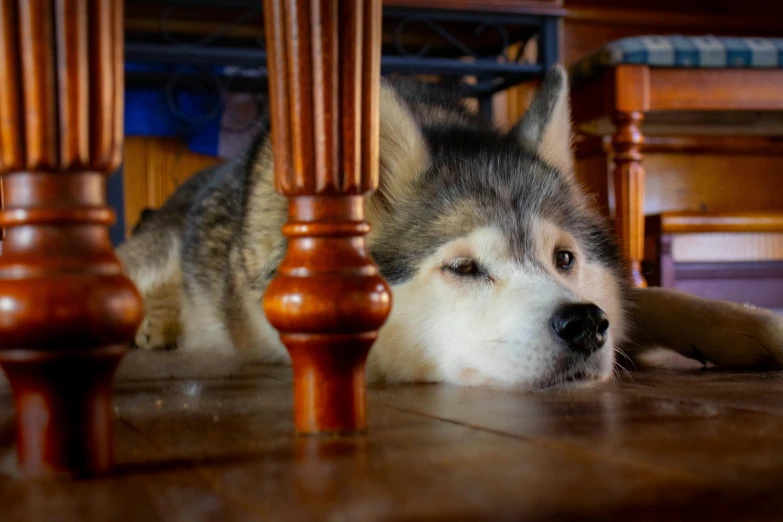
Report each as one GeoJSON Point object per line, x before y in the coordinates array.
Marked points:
{"type": "Point", "coordinates": [556, 142]}
{"type": "Point", "coordinates": [161, 286]}
{"type": "Point", "coordinates": [448, 329]}
{"type": "Point", "coordinates": [204, 331]}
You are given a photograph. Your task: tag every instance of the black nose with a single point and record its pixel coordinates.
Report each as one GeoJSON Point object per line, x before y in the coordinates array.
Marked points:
{"type": "Point", "coordinates": [583, 327]}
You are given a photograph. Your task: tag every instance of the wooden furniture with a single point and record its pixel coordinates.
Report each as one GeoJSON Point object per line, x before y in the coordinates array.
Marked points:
{"type": "Point", "coordinates": [328, 299]}
{"type": "Point", "coordinates": [68, 312]}
{"type": "Point", "coordinates": [626, 93]}
{"type": "Point", "coordinates": [734, 256]}
{"type": "Point", "coordinates": [694, 173]}
{"type": "Point", "coordinates": [201, 438]}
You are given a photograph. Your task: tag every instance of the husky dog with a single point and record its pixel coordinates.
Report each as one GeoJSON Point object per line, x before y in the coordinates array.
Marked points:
{"type": "Point", "coordinates": [502, 272]}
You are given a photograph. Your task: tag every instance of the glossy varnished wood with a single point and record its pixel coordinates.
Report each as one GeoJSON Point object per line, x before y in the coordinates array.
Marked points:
{"type": "Point", "coordinates": [721, 89]}
{"type": "Point", "coordinates": [201, 438]}
{"type": "Point", "coordinates": [328, 299]}
{"type": "Point", "coordinates": [694, 174]}
{"type": "Point", "coordinates": [588, 145]}
{"type": "Point", "coordinates": [628, 177]}
{"type": "Point", "coordinates": [67, 310]}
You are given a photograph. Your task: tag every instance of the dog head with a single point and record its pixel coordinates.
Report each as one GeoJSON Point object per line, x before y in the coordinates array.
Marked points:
{"type": "Point", "coordinates": [502, 273]}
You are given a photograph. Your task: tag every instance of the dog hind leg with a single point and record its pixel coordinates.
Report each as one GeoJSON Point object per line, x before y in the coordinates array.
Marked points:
{"type": "Point", "coordinates": [160, 328]}
{"type": "Point", "coordinates": [151, 260]}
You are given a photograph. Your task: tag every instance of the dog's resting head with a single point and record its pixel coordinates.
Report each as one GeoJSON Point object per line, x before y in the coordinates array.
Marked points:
{"type": "Point", "coordinates": [502, 274]}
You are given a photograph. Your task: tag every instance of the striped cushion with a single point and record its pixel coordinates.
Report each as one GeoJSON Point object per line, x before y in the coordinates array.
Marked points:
{"type": "Point", "coordinates": [684, 52]}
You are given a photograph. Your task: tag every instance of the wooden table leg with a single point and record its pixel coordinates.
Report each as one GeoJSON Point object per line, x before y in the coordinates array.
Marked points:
{"type": "Point", "coordinates": [328, 299]}
{"type": "Point", "coordinates": [67, 312]}
{"type": "Point", "coordinates": [629, 189]}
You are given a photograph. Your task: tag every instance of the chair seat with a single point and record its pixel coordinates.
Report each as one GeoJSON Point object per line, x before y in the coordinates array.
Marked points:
{"type": "Point", "coordinates": [681, 52]}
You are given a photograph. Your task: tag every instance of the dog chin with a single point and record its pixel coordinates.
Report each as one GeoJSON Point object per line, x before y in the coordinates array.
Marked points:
{"type": "Point", "coordinates": [573, 381]}
{"type": "Point", "coordinates": [567, 375]}
{"type": "Point", "coordinates": [579, 374]}
{"type": "Point", "coordinates": [576, 377]}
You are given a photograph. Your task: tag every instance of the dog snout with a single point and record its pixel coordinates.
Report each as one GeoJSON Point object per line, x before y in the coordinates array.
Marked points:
{"type": "Point", "coordinates": [582, 327]}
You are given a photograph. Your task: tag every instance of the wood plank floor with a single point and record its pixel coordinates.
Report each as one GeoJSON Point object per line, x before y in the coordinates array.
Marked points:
{"type": "Point", "coordinates": [212, 440]}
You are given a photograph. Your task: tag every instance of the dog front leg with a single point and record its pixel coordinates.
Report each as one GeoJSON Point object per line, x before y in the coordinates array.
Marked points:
{"type": "Point", "coordinates": [725, 334]}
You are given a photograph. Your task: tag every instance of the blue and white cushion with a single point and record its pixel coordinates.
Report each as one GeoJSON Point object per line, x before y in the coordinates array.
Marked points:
{"type": "Point", "coordinates": [674, 51]}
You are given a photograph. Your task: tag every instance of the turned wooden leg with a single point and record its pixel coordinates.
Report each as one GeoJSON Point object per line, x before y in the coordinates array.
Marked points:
{"type": "Point", "coordinates": [328, 299]}
{"type": "Point", "coordinates": [629, 189]}
{"type": "Point", "coordinates": [67, 312]}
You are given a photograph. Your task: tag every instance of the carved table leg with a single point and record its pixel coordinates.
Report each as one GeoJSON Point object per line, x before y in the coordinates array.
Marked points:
{"type": "Point", "coordinates": [629, 189]}
{"type": "Point", "coordinates": [328, 300]}
{"type": "Point", "coordinates": [67, 312]}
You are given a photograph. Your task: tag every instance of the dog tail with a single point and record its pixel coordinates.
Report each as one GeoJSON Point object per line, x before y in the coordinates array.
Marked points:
{"type": "Point", "coordinates": [725, 334]}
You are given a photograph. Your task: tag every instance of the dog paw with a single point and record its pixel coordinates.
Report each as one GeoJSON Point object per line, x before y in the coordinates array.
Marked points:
{"type": "Point", "coordinates": [739, 337]}
{"type": "Point", "coordinates": [725, 334]}
{"type": "Point", "coordinates": [154, 334]}
{"type": "Point", "coordinates": [762, 333]}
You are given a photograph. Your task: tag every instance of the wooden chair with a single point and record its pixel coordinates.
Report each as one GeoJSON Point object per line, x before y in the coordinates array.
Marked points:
{"type": "Point", "coordinates": [67, 311]}
{"type": "Point", "coordinates": [630, 79]}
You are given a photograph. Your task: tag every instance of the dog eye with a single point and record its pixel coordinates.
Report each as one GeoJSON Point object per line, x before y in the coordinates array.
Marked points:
{"type": "Point", "coordinates": [464, 267]}
{"type": "Point", "coordinates": [564, 259]}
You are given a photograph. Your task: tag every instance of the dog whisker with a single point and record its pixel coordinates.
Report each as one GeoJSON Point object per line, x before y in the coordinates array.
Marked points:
{"type": "Point", "coordinates": [619, 351]}
{"type": "Point", "coordinates": [617, 368]}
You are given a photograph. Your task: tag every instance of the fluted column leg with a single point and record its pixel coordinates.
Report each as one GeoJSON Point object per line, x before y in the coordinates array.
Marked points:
{"type": "Point", "coordinates": [67, 312]}
{"type": "Point", "coordinates": [328, 300]}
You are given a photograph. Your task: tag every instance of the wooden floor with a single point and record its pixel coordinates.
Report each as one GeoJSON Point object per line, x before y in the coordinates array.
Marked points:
{"type": "Point", "coordinates": [212, 440]}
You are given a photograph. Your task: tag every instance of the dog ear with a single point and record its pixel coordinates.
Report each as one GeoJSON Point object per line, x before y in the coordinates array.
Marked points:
{"type": "Point", "coordinates": [545, 129]}
{"type": "Point", "coordinates": [403, 152]}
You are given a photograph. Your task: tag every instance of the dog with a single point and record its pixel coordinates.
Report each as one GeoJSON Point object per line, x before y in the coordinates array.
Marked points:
{"type": "Point", "coordinates": [503, 273]}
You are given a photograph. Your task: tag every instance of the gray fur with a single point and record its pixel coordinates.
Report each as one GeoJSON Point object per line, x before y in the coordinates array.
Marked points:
{"type": "Point", "coordinates": [222, 227]}
{"type": "Point", "coordinates": [530, 129]}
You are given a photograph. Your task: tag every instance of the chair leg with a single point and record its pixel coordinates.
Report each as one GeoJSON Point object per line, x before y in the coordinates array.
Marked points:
{"type": "Point", "coordinates": [629, 189]}
{"type": "Point", "coordinates": [68, 312]}
{"type": "Point", "coordinates": [328, 300]}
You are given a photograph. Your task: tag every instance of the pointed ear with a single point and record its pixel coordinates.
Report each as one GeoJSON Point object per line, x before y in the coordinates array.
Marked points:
{"type": "Point", "coordinates": [545, 129]}
{"type": "Point", "coordinates": [403, 153]}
